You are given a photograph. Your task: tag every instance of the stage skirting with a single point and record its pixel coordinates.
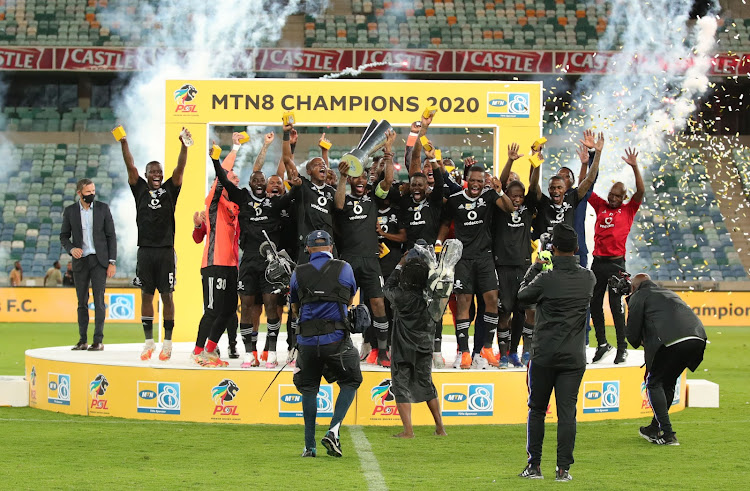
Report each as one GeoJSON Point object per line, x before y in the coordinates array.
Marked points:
{"type": "Point", "coordinates": [116, 383]}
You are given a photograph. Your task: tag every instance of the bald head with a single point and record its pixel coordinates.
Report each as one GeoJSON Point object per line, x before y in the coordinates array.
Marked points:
{"type": "Point", "coordinates": [637, 280]}
{"type": "Point", "coordinates": [616, 195]}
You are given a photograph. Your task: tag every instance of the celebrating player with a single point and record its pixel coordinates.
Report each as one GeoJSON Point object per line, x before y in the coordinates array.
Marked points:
{"type": "Point", "coordinates": [356, 221]}
{"type": "Point", "coordinates": [155, 268]}
{"type": "Point", "coordinates": [471, 212]}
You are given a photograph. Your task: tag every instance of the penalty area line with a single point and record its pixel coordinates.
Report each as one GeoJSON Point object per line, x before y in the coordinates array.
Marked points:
{"type": "Point", "coordinates": [370, 466]}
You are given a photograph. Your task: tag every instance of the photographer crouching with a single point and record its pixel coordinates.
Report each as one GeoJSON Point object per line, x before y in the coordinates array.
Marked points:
{"type": "Point", "coordinates": [558, 349]}
{"type": "Point", "coordinates": [321, 292]}
{"type": "Point", "coordinates": [673, 339]}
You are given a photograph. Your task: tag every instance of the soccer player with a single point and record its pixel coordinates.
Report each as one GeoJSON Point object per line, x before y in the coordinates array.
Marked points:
{"type": "Point", "coordinates": [471, 213]}
{"type": "Point", "coordinates": [259, 212]}
{"type": "Point", "coordinates": [511, 246]}
{"type": "Point", "coordinates": [313, 198]}
{"type": "Point", "coordinates": [155, 201]}
{"type": "Point", "coordinates": [560, 206]}
{"type": "Point", "coordinates": [613, 222]}
{"type": "Point", "coordinates": [218, 266]}
{"type": "Point", "coordinates": [356, 221]}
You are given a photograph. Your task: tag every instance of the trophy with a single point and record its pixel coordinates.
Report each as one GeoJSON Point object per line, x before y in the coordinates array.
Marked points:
{"type": "Point", "coordinates": [372, 140]}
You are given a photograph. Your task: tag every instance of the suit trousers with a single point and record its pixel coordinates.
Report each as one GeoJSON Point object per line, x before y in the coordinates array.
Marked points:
{"type": "Point", "coordinates": [541, 381]}
{"type": "Point", "coordinates": [94, 274]}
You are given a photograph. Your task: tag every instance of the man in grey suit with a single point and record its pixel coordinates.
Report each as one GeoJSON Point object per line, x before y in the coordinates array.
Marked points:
{"type": "Point", "coordinates": [88, 234]}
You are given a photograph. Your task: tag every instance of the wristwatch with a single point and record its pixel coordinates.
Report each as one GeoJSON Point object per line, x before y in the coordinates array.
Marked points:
{"type": "Point", "coordinates": [112, 262]}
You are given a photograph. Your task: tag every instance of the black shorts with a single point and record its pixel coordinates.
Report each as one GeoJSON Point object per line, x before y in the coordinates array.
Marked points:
{"type": "Point", "coordinates": [252, 279]}
{"type": "Point", "coordinates": [367, 275]}
{"type": "Point", "coordinates": [475, 276]}
{"type": "Point", "coordinates": [337, 362]}
{"type": "Point", "coordinates": [155, 269]}
{"type": "Point", "coordinates": [509, 280]}
{"type": "Point", "coordinates": [219, 289]}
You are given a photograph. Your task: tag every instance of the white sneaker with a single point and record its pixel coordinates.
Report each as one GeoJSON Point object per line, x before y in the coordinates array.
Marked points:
{"type": "Point", "coordinates": [166, 350]}
{"type": "Point", "coordinates": [479, 362]}
{"type": "Point", "coordinates": [148, 350]}
{"type": "Point", "coordinates": [271, 361]}
{"type": "Point", "coordinates": [457, 361]}
{"type": "Point", "coordinates": [364, 350]}
{"type": "Point", "coordinates": [437, 360]}
{"type": "Point", "coordinates": [250, 360]}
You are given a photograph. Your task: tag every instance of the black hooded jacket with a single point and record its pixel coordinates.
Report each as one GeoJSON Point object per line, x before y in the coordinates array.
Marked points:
{"type": "Point", "coordinates": [657, 317]}
{"type": "Point", "coordinates": [562, 296]}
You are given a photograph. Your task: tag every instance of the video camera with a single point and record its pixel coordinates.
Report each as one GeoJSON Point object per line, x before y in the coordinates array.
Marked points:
{"type": "Point", "coordinates": [279, 266]}
{"type": "Point", "coordinates": [545, 250]}
{"type": "Point", "coordinates": [620, 283]}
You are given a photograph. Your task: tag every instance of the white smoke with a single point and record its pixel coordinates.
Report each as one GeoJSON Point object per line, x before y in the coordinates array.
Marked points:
{"type": "Point", "coordinates": [650, 88]}
{"type": "Point", "coordinates": [194, 40]}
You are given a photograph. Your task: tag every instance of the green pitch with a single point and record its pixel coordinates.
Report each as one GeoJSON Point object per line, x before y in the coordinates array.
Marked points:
{"type": "Point", "coordinates": [48, 450]}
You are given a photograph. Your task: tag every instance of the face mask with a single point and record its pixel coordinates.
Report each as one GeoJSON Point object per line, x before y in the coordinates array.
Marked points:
{"type": "Point", "coordinates": [88, 198]}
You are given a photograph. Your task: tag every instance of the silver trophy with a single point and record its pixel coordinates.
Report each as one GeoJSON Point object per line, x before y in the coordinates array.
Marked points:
{"type": "Point", "coordinates": [372, 140]}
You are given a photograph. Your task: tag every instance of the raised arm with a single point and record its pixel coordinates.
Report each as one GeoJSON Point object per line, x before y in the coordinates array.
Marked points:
{"type": "Point", "coordinates": [129, 162]}
{"type": "Point", "coordinates": [323, 149]}
{"type": "Point", "coordinates": [385, 184]}
{"type": "Point", "coordinates": [416, 154]}
{"type": "Point", "coordinates": [261, 158]}
{"type": "Point", "coordinates": [594, 169]}
{"type": "Point", "coordinates": [179, 171]}
{"type": "Point", "coordinates": [340, 197]}
{"type": "Point", "coordinates": [513, 155]}
{"type": "Point", "coordinates": [503, 201]}
{"type": "Point", "coordinates": [234, 193]}
{"type": "Point", "coordinates": [286, 152]}
{"type": "Point", "coordinates": [587, 158]}
{"type": "Point", "coordinates": [631, 158]}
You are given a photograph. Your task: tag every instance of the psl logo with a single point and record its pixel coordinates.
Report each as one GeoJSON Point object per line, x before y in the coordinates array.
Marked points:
{"type": "Point", "coordinates": [121, 306]}
{"type": "Point", "coordinates": [508, 104]}
{"type": "Point", "coordinates": [385, 401]}
{"type": "Point", "coordinates": [158, 397]}
{"type": "Point", "coordinates": [468, 399]}
{"type": "Point", "coordinates": [225, 392]}
{"type": "Point", "coordinates": [182, 96]}
{"type": "Point", "coordinates": [97, 389]}
{"type": "Point", "coordinates": [58, 389]}
{"type": "Point", "coordinates": [290, 401]}
{"type": "Point", "coordinates": [601, 397]}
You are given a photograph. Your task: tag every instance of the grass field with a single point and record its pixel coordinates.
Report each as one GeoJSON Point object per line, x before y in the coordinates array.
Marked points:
{"type": "Point", "coordinates": [48, 450]}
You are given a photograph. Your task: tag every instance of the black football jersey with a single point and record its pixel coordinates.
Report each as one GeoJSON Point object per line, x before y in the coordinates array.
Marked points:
{"type": "Point", "coordinates": [552, 214]}
{"type": "Point", "coordinates": [155, 213]}
{"type": "Point", "coordinates": [388, 219]}
{"type": "Point", "coordinates": [355, 226]}
{"type": "Point", "coordinates": [511, 234]}
{"type": "Point", "coordinates": [314, 208]}
{"type": "Point", "coordinates": [471, 220]}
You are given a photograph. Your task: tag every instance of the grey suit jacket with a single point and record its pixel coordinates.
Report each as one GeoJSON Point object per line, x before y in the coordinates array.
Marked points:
{"type": "Point", "coordinates": [105, 239]}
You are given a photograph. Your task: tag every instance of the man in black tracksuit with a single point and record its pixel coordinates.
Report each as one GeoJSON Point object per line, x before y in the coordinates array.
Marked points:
{"type": "Point", "coordinates": [673, 339]}
{"type": "Point", "coordinates": [558, 349]}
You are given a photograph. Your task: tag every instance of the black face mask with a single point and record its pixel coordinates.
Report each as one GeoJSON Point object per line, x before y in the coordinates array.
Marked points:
{"type": "Point", "coordinates": [88, 198]}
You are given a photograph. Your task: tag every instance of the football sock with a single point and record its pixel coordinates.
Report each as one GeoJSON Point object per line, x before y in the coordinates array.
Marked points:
{"type": "Point", "coordinates": [462, 334]}
{"type": "Point", "coordinates": [168, 328]}
{"type": "Point", "coordinates": [148, 327]}
{"type": "Point", "coordinates": [273, 333]}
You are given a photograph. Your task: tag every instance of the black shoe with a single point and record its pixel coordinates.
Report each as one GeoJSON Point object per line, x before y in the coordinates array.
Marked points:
{"type": "Point", "coordinates": [667, 440]}
{"type": "Point", "coordinates": [309, 452]}
{"type": "Point", "coordinates": [233, 351]}
{"type": "Point", "coordinates": [622, 355]}
{"type": "Point", "coordinates": [562, 475]}
{"type": "Point", "coordinates": [601, 351]}
{"type": "Point", "coordinates": [649, 432]}
{"type": "Point", "coordinates": [332, 444]}
{"type": "Point", "coordinates": [96, 347]}
{"type": "Point", "coordinates": [532, 472]}
{"type": "Point", "coordinates": [80, 346]}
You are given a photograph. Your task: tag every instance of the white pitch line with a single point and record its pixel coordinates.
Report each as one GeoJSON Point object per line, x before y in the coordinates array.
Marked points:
{"type": "Point", "coordinates": [370, 466]}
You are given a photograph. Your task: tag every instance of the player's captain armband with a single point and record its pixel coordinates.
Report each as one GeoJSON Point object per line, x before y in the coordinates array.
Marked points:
{"type": "Point", "coordinates": [380, 192]}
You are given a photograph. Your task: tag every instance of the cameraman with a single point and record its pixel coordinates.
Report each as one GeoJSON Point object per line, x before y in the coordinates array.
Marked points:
{"type": "Point", "coordinates": [673, 339]}
{"type": "Point", "coordinates": [321, 292]}
{"type": "Point", "coordinates": [558, 351]}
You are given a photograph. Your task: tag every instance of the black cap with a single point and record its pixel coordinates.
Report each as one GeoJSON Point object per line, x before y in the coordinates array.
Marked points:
{"type": "Point", "coordinates": [564, 238]}
{"type": "Point", "coordinates": [318, 238]}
